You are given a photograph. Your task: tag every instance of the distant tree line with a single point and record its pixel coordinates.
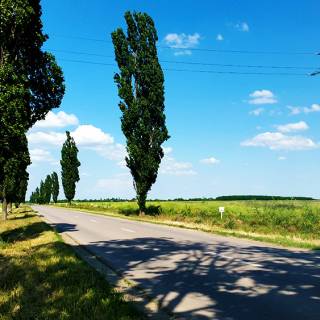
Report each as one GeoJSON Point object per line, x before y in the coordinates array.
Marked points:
{"type": "Point", "coordinates": [252, 197]}
{"type": "Point", "coordinates": [47, 191]}
{"type": "Point", "coordinates": [221, 198]}
{"type": "Point", "coordinates": [49, 188]}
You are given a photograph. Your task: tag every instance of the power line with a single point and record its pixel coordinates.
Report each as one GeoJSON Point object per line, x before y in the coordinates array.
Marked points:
{"type": "Point", "coordinates": [239, 65]}
{"type": "Point", "coordinates": [195, 63]}
{"type": "Point", "coordinates": [81, 53]}
{"type": "Point", "coordinates": [203, 49]}
{"type": "Point", "coordinates": [315, 73]}
{"type": "Point", "coordinates": [194, 71]}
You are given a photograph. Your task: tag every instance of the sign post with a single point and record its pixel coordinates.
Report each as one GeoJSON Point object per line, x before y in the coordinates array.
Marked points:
{"type": "Point", "coordinates": [221, 210]}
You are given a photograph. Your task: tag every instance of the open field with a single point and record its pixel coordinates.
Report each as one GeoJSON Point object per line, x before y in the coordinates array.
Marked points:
{"type": "Point", "coordinates": [289, 223]}
{"type": "Point", "coordinates": [41, 277]}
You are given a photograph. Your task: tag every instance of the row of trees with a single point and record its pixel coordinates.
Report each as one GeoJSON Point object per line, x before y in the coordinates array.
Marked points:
{"type": "Point", "coordinates": [49, 188]}
{"type": "Point", "coordinates": [31, 84]}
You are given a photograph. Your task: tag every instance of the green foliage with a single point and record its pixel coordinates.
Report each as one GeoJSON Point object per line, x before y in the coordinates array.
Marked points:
{"type": "Point", "coordinates": [21, 39]}
{"type": "Point", "coordinates": [55, 187]}
{"type": "Point", "coordinates": [47, 189]}
{"type": "Point", "coordinates": [35, 196]}
{"type": "Point", "coordinates": [42, 193]}
{"type": "Point", "coordinates": [14, 155]}
{"type": "Point", "coordinates": [15, 177]}
{"type": "Point", "coordinates": [31, 84]}
{"type": "Point", "coordinates": [141, 90]}
{"type": "Point", "coordinates": [21, 189]}
{"type": "Point", "coordinates": [70, 167]}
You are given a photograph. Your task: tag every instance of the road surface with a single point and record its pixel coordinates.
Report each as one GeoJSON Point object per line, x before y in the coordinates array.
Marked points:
{"type": "Point", "coordinates": [199, 275]}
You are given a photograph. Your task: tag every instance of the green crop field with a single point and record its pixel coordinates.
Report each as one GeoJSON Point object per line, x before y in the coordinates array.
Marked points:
{"type": "Point", "coordinates": [289, 222]}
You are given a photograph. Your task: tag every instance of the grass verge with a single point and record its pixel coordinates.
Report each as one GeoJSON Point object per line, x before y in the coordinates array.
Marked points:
{"type": "Point", "coordinates": [42, 278]}
{"type": "Point", "coordinates": [288, 224]}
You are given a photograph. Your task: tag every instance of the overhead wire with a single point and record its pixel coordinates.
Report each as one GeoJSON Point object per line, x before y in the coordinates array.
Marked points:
{"type": "Point", "coordinates": [193, 62]}
{"type": "Point", "coordinates": [203, 49]}
{"type": "Point", "coordinates": [193, 71]}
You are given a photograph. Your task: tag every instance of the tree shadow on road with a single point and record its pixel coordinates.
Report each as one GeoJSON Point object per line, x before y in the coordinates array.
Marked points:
{"type": "Point", "coordinates": [230, 282]}
{"type": "Point", "coordinates": [64, 227]}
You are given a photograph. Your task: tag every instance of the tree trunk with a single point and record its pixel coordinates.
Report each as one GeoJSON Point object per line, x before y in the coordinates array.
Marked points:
{"type": "Point", "coordinates": [10, 207]}
{"type": "Point", "coordinates": [4, 209]}
{"type": "Point", "coordinates": [142, 204]}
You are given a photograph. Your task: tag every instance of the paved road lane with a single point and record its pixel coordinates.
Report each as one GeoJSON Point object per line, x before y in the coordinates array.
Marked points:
{"type": "Point", "coordinates": [198, 275]}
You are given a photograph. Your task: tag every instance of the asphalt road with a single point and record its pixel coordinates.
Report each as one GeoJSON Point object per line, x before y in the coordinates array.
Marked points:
{"type": "Point", "coordinates": [199, 275]}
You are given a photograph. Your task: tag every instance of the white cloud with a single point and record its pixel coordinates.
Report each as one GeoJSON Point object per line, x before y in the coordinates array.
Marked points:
{"type": "Point", "coordinates": [88, 135]}
{"type": "Point", "coordinates": [262, 97]}
{"type": "Point", "coordinates": [85, 136]}
{"type": "Point", "coordinates": [167, 150]}
{"type": "Point", "coordinates": [114, 183]}
{"type": "Point", "coordinates": [210, 160]}
{"type": "Point", "coordinates": [256, 112]}
{"type": "Point", "coordinates": [119, 185]}
{"type": "Point", "coordinates": [219, 37]}
{"type": "Point", "coordinates": [294, 110]}
{"type": "Point", "coordinates": [171, 166]}
{"type": "Point", "coordinates": [46, 138]}
{"type": "Point", "coordinates": [314, 108]}
{"type": "Point", "coordinates": [85, 174]}
{"type": "Point", "coordinates": [280, 141]}
{"type": "Point", "coordinates": [115, 152]}
{"type": "Point", "coordinates": [183, 53]}
{"type": "Point", "coordinates": [281, 158]}
{"type": "Point", "coordinates": [57, 120]}
{"type": "Point", "coordinates": [292, 127]}
{"type": "Point", "coordinates": [297, 110]}
{"type": "Point", "coordinates": [41, 155]}
{"type": "Point", "coordinates": [122, 163]}
{"type": "Point", "coordinates": [182, 41]}
{"type": "Point", "coordinates": [242, 26]}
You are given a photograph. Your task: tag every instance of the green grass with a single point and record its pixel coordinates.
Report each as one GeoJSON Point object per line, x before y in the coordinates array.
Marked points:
{"type": "Point", "coordinates": [290, 223]}
{"type": "Point", "coordinates": [42, 278]}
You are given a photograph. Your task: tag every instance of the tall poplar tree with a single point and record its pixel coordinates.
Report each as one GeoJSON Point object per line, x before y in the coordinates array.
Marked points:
{"type": "Point", "coordinates": [141, 90]}
{"type": "Point", "coordinates": [47, 189]}
{"type": "Point", "coordinates": [21, 189]}
{"type": "Point", "coordinates": [31, 82]}
{"type": "Point", "coordinates": [34, 198]}
{"type": "Point", "coordinates": [69, 167]}
{"type": "Point", "coordinates": [42, 193]}
{"type": "Point", "coordinates": [14, 171]}
{"type": "Point", "coordinates": [55, 187]}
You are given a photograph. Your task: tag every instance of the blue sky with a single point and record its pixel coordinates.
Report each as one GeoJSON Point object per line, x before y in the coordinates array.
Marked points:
{"type": "Point", "coordinates": [230, 133]}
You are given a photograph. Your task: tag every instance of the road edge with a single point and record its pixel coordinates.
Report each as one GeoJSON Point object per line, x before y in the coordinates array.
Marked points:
{"type": "Point", "coordinates": [132, 292]}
